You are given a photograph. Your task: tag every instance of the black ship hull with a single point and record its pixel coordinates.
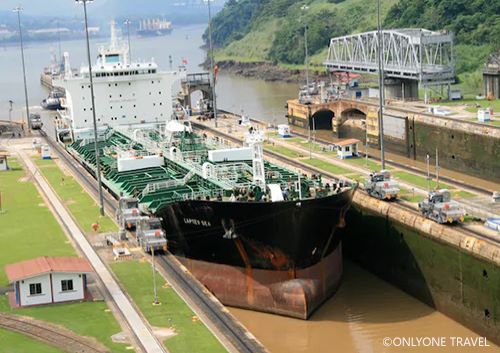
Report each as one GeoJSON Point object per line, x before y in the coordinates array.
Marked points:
{"type": "Point", "coordinates": [264, 235]}
{"type": "Point", "coordinates": [282, 257]}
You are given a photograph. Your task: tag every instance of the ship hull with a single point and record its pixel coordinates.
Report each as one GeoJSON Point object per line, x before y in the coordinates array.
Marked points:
{"type": "Point", "coordinates": [154, 32]}
{"type": "Point", "coordinates": [279, 257]}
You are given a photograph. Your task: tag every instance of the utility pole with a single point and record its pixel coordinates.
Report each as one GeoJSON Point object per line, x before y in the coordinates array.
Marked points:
{"type": "Point", "coordinates": [19, 9]}
{"type": "Point", "coordinates": [128, 22]}
{"type": "Point", "coordinates": [427, 158]}
{"type": "Point", "coordinates": [304, 8]}
{"type": "Point", "coordinates": [212, 61]}
{"type": "Point", "coordinates": [59, 40]}
{"type": "Point", "coordinates": [155, 289]}
{"type": "Point", "coordinates": [92, 99]}
{"type": "Point", "coordinates": [10, 111]}
{"type": "Point", "coordinates": [381, 87]}
{"type": "Point", "coordinates": [437, 168]}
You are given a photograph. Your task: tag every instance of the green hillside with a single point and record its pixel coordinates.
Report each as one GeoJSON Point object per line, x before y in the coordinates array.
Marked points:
{"type": "Point", "coordinates": [273, 30]}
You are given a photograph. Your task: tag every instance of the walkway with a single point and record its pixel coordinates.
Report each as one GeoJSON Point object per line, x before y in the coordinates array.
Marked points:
{"type": "Point", "coordinates": [133, 318]}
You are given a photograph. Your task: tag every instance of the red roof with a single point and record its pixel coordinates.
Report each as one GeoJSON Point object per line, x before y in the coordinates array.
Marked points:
{"type": "Point", "coordinates": [45, 264]}
{"type": "Point", "coordinates": [347, 142]}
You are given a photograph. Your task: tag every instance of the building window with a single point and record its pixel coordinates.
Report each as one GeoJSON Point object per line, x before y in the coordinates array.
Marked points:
{"type": "Point", "coordinates": [66, 285]}
{"type": "Point", "coordinates": [35, 288]}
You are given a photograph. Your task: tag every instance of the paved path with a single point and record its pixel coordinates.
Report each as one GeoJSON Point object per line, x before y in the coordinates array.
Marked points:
{"type": "Point", "coordinates": [133, 318]}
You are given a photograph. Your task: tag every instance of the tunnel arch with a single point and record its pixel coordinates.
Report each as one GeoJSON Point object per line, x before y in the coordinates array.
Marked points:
{"type": "Point", "coordinates": [352, 113]}
{"type": "Point", "coordinates": [322, 119]}
{"type": "Point", "coordinates": [352, 124]}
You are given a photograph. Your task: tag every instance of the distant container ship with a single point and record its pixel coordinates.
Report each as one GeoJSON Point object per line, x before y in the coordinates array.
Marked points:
{"type": "Point", "coordinates": [154, 27]}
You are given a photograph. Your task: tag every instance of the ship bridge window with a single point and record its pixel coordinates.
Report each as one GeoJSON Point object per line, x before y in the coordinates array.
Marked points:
{"type": "Point", "coordinates": [113, 58]}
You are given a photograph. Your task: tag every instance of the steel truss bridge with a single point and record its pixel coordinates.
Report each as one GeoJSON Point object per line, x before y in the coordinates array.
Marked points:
{"type": "Point", "coordinates": [410, 54]}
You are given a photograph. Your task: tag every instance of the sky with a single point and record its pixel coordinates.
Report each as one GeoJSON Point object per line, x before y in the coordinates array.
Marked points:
{"type": "Point", "coordinates": [70, 8]}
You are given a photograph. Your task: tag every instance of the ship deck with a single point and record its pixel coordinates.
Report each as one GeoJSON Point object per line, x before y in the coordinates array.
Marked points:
{"type": "Point", "coordinates": [174, 181]}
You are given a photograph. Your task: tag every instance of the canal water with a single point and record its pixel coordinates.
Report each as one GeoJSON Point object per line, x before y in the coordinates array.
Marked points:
{"type": "Point", "coordinates": [366, 310]}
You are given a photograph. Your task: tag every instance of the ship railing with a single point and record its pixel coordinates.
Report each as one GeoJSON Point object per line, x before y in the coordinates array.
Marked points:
{"type": "Point", "coordinates": [153, 187]}
{"type": "Point", "coordinates": [200, 195]}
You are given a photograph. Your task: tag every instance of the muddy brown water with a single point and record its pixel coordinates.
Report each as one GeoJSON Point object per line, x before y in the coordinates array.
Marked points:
{"type": "Point", "coordinates": [358, 318]}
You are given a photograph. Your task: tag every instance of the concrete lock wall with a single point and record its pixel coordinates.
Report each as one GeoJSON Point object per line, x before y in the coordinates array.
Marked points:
{"type": "Point", "coordinates": [456, 279]}
{"type": "Point", "coordinates": [463, 147]}
{"type": "Point", "coordinates": [460, 150]}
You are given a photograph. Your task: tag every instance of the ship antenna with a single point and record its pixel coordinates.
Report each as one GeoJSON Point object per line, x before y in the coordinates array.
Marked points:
{"type": "Point", "coordinates": [114, 40]}
{"type": "Point", "coordinates": [212, 64]}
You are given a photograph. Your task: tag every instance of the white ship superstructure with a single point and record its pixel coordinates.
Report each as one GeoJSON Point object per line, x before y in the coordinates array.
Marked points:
{"type": "Point", "coordinates": [126, 93]}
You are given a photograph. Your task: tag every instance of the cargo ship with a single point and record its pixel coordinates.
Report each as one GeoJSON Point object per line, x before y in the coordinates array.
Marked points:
{"type": "Point", "coordinates": [257, 235]}
{"type": "Point", "coordinates": [154, 27]}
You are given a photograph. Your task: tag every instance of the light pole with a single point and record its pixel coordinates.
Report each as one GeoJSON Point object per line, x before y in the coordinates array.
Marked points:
{"type": "Point", "coordinates": [381, 86]}
{"type": "Point", "coordinates": [92, 99]}
{"type": "Point", "coordinates": [155, 289]}
{"type": "Point", "coordinates": [212, 63]}
{"type": "Point", "coordinates": [305, 8]}
{"type": "Point", "coordinates": [313, 142]}
{"type": "Point", "coordinates": [11, 102]}
{"type": "Point", "coordinates": [19, 9]}
{"type": "Point", "coordinates": [128, 22]}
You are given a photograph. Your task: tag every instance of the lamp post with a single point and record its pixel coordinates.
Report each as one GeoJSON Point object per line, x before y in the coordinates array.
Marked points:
{"type": "Point", "coordinates": [155, 288]}
{"type": "Point", "coordinates": [18, 10]}
{"type": "Point", "coordinates": [381, 86]}
{"type": "Point", "coordinates": [92, 99]}
{"type": "Point", "coordinates": [212, 61]}
{"type": "Point", "coordinates": [11, 102]}
{"type": "Point", "coordinates": [304, 8]}
{"type": "Point", "coordinates": [128, 22]}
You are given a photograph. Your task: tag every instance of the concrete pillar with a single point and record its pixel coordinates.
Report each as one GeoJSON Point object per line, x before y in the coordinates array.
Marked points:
{"type": "Point", "coordinates": [402, 89]}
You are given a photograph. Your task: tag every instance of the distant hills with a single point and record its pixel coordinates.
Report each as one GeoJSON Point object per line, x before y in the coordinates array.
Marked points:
{"type": "Point", "coordinates": [273, 30]}
{"type": "Point", "coordinates": [102, 10]}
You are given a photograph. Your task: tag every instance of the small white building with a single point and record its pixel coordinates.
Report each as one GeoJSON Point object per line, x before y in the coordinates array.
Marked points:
{"type": "Point", "coordinates": [4, 161]}
{"type": "Point", "coordinates": [284, 130]}
{"type": "Point", "coordinates": [47, 280]}
{"type": "Point", "coordinates": [347, 148]}
{"type": "Point", "coordinates": [484, 115]}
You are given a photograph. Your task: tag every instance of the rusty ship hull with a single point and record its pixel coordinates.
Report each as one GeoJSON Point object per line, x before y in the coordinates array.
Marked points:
{"type": "Point", "coordinates": [278, 257]}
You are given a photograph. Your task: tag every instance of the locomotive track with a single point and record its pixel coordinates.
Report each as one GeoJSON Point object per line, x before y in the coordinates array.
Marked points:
{"type": "Point", "coordinates": [59, 337]}
{"type": "Point", "coordinates": [215, 312]}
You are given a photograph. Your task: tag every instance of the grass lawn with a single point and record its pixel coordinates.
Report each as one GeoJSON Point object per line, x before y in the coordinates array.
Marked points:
{"type": "Point", "coordinates": [410, 196]}
{"type": "Point", "coordinates": [282, 150]}
{"type": "Point", "coordinates": [361, 162]}
{"type": "Point", "coordinates": [495, 104]}
{"type": "Point", "coordinates": [419, 181]}
{"type": "Point", "coordinates": [361, 179]}
{"type": "Point", "coordinates": [327, 167]}
{"type": "Point", "coordinates": [461, 194]}
{"type": "Point", "coordinates": [80, 204]}
{"type": "Point", "coordinates": [31, 231]}
{"type": "Point", "coordinates": [192, 336]}
{"type": "Point", "coordinates": [12, 342]}
{"type": "Point", "coordinates": [28, 228]}
{"type": "Point", "coordinates": [86, 319]}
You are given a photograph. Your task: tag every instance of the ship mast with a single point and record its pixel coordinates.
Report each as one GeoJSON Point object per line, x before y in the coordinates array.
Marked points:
{"type": "Point", "coordinates": [212, 64]}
